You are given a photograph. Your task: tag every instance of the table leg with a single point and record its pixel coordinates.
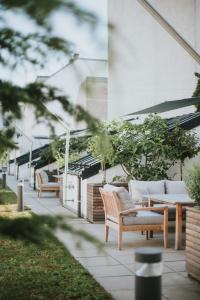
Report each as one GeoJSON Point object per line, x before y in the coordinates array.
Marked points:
{"type": "Point", "coordinates": [178, 238]}
{"type": "Point", "coordinates": [150, 232]}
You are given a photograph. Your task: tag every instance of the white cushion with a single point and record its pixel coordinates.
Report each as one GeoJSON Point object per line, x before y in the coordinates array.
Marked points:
{"type": "Point", "coordinates": [175, 187]}
{"type": "Point", "coordinates": [143, 217]}
{"type": "Point", "coordinates": [156, 187]}
{"type": "Point", "coordinates": [139, 188]}
{"type": "Point", "coordinates": [123, 195]}
{"type": "Point", "coordinates": [45, 178]}
{"type": "Point", "coordinates": [111, 188]}
{"type": "Point", "coordinates": [51, 184]}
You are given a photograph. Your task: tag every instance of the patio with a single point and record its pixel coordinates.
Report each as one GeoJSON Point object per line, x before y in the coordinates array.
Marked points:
{"type": "Point", "coordinates": [114, 269]}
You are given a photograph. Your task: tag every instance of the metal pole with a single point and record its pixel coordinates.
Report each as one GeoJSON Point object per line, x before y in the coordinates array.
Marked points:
{"type": "Point", "coordinates": [30, 161]}
{"type": "Point", "coordinates": [67, 139]}
{"type": "Point", "coordinates": [188, 48]}
{"type": "Point", "coordinates": [79, 197]}
{"type": "Point", "coordinates": [17, 172]}
{"type": "Point", "coordinates": [20, 196]}
{"type": "Point", "coordinates": [15, 162]}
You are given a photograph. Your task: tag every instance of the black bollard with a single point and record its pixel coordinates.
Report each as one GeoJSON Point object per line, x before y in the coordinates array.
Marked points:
{"type": "Point", "coordinates": [4, 180]}
{"type": "Point", "coordinates": [20, 196]}
{"type": "Point", "coordinates": [148, 279]}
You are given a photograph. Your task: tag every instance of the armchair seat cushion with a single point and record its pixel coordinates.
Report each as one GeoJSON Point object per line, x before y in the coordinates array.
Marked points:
{"type": "Point", "coordinates": [143, 218]}
{"type": "Point", "coordinates": [50, 184]}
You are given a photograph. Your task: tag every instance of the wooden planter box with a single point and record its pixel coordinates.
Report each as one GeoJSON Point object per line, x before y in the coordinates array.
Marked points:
{"type": "Point", "coordinates": [95, 211]}
{"type": "Point", "coordinates": [193, 242]}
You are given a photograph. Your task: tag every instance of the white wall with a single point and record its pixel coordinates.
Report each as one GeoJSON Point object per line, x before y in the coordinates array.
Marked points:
{"type": "Point", "coordinates": [147, 66]}
{"type": "Point", "coordinates": [68, 80]}
{"type": "Point", "coordinates": [93, 96]}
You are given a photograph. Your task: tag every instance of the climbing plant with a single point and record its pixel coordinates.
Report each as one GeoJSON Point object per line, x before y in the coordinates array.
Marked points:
{"type": "Point", "coordinates": [197, 90]}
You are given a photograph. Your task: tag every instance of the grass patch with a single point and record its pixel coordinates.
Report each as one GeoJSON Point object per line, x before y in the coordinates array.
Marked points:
{"type": "Point", "coordinates": [7, 196]}
{"type": "Point", "coordinates": [44, 272]}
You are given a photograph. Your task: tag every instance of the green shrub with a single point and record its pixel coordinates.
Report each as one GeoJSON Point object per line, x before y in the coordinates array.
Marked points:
{"type": "Point", "coordinates": [192, 181]}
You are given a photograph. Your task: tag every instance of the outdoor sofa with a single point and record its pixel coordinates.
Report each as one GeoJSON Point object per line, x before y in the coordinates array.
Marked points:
{"type": "Point", "coordinates": [138, 189]}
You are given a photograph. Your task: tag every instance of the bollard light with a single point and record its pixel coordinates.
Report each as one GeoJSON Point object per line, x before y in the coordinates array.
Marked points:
{"type": "Point", "coordinates": [20, 196]}
{"type": "Point", "coordinates": [4, 180]}
{"type": "Point", "coordinates": [148, 275]}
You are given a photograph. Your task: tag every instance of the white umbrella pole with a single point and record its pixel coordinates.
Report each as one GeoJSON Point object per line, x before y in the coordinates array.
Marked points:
{"type": "Point", "coordinates": [67, 139]}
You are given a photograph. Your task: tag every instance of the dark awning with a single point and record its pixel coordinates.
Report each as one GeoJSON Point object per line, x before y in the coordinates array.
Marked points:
{"type": "Point", "coordinates": [187, 122]}
{"type": "Point", "coordinates": [168, 105]}
{"type": "Point", "coordinates": [24, 158]}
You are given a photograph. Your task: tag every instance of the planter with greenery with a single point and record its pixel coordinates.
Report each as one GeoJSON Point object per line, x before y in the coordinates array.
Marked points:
{"type": "Point", "coordinates": [193, 224]}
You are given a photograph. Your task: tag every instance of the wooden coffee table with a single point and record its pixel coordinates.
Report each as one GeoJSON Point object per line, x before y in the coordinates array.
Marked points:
{"type": "Point", "coordinates": [178, 200]}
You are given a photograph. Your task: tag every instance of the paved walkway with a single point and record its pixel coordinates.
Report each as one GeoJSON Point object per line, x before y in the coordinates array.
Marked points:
{"type": "Point", "coordinates": [113, 269]}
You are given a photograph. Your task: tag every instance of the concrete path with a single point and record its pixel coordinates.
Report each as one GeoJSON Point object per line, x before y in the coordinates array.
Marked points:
{"type": "Point", "coordinates": [113, 269]}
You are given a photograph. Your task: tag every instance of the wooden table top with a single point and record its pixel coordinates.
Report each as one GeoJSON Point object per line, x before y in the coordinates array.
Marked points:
{"type": "Point", "coordinates": [170, 198]}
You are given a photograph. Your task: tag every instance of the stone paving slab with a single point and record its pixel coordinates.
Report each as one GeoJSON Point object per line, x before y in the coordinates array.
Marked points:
{"type": "Point", "coordinates": [98, 261]}
{"type": "Point", "coordinates": [107, 271]}
{"type": "Point", "coordinates": [185, 293]}
{"type": "Point", "coordinates": [117, 283]}
{"type": "Point", "coordinates": [112, 268]}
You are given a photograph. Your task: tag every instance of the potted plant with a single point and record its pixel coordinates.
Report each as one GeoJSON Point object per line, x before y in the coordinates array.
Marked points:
{"type": "Point", "coordinates": [100, 146]}
{"type": "Point", "coordinates": [193, 223]}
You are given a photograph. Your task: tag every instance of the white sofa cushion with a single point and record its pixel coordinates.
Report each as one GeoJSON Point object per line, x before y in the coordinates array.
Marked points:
{"type": "Point", "coordinates": [144, 217]}
{"type": "Point", "coordinates": [45, 178]}
{"type": "Point", "coordinates": [139, 188]}
{"type": "Point", "coordinates": [123, 195]}
{"type": "Point", "coordinates": [175, 187]}
{"type": "Point", "coordinates": [156, 187]}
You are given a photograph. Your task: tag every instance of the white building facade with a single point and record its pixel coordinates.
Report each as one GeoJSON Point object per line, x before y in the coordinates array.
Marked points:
{"type": "Point", "coordinates": [84, 82]}
{"type": "Point", "coordinates": [146, 65]}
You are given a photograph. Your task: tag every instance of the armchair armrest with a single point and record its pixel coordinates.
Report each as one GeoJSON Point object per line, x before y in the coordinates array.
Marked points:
{"type": "Point", "coordinates": [143, 203]}
{"type": "Point", "coordinates": [152, 208]}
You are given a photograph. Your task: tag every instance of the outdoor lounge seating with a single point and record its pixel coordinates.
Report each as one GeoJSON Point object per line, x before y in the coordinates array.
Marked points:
{"type": "Point", "coordinates": [139, 188]}
{"type": "Point", "coordinates": [43, 185]}
{"type": "Point", "coordinates": [122, 215]}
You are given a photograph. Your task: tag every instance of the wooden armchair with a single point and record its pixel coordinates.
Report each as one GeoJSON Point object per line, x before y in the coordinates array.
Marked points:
{"type": "Point", "coordinates": [43, 186]}
{"type": "Point", "coordinates": [134, 219]}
